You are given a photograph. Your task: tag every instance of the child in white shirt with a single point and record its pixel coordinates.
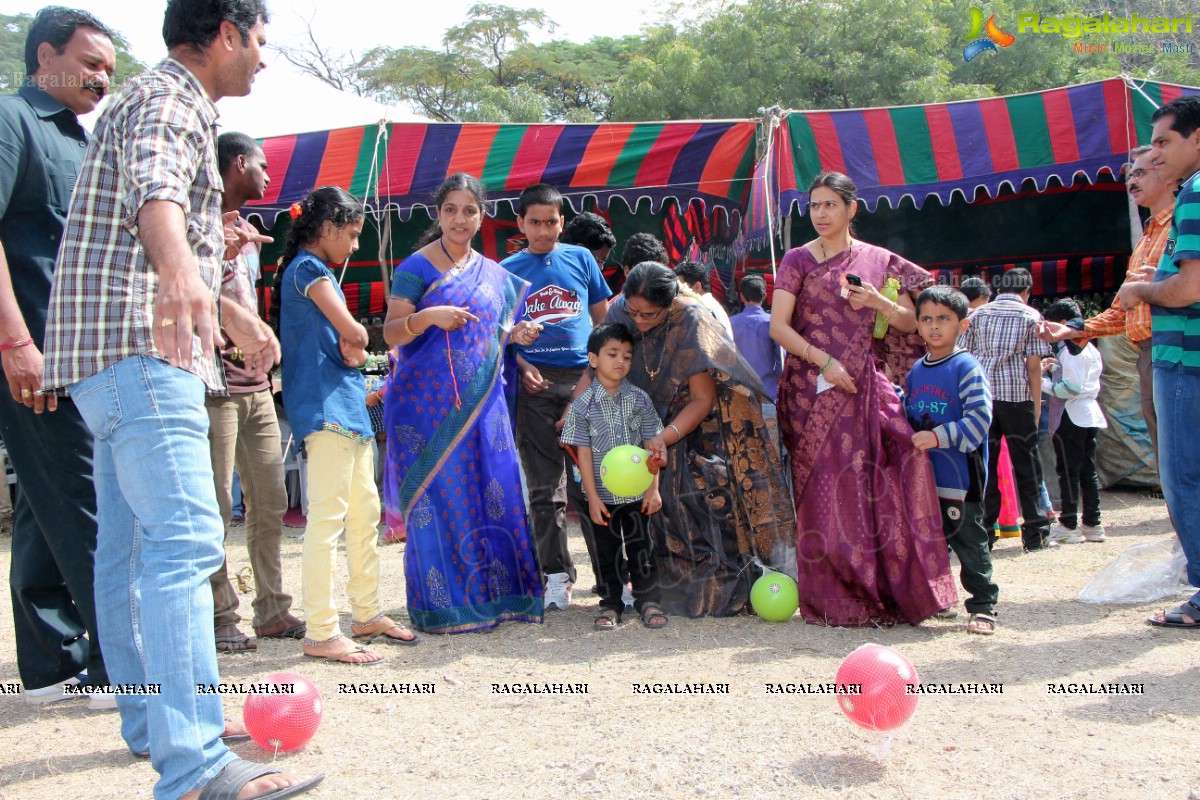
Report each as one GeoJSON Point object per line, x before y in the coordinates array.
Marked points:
{"type": "Point", "coordinates": [1075, 418]}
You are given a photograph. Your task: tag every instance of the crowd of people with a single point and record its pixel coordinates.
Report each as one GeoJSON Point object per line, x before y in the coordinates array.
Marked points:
{"type": "Point", "coordinates": [850, 436]}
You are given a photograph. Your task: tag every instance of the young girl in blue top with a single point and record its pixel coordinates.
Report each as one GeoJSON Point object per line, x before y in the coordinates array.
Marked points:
{"type": "Point", "coordinates": [325, 398]}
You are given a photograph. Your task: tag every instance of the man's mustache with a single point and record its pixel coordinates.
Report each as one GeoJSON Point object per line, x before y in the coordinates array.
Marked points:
{"type": "Point", "coordinates": [97, 87]}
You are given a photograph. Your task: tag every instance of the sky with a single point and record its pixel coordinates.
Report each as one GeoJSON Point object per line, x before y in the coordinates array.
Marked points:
{"type": "Point", "coordinates": [342, 25]}
{"type": "Point", "coordinates": [362, 24]}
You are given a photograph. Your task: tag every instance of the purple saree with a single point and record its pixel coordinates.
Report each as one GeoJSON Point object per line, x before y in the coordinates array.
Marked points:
{"type": "Point", "coordinates": [869, 541]}
{"type": "Point", "coordinates": [451, 479]}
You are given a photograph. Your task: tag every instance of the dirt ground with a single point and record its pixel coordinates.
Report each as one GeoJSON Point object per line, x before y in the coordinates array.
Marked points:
{"type": "Point", "coordinates": [465, 741]}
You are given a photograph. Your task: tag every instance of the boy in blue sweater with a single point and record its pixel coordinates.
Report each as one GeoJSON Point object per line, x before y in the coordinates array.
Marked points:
{"type": "Point", "coordinates": [949, 404]}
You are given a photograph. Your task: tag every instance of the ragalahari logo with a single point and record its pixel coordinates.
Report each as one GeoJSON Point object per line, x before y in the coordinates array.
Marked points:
{"type": "Point", "coordinates": [991, 33]}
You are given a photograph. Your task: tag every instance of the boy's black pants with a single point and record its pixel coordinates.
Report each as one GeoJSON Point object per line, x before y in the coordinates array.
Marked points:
{"type": "Point", "coordinates": [1075, 448]}
{"type": "Point", "coordinates": [630, 526]}
{"type": "Point", "coordinates": [962, 522]}
{"type": "Point", "coordinates": [1016, 423]}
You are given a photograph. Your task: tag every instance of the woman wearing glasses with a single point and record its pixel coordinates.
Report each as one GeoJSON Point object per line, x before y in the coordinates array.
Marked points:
{"type": "Point", "coordinates": [869, 539]}
{"type": "Point", "coordinates": [723, 488]}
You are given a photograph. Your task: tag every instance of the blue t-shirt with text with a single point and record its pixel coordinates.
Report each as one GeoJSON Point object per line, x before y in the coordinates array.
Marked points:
{"type": "Point", "coordinates": [563, 284]}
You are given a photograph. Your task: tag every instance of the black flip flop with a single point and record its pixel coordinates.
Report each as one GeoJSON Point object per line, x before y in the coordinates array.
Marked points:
{"type": "Point", "coordinates": [381, 636]}
{"type": "Point", "coordinates": [226, 784]}
{"type": "Point", "coordinates": [1174, 618]}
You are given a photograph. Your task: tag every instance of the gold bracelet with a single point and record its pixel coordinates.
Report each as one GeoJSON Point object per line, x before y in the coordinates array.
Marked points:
{"type": "Point", "coordinates": [408, 328]}
{"type": "Point", "coordinates": [807, 350]}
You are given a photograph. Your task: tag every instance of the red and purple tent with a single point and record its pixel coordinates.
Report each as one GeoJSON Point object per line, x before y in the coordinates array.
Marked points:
{"type": "Point", "coordinates": [964, 147]}
{"type": "Point", "coordinates": [400, 165]}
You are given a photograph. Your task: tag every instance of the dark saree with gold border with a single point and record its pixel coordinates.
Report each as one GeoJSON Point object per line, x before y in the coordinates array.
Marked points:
{"type": "Point", "coordinates": [724, 492]}
{"type": "Point", "coordinates": [452, 479]}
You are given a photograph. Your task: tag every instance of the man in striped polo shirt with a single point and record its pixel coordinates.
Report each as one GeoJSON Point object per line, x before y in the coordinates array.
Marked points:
{"type": "Point", "coordinates": [1174, 300]}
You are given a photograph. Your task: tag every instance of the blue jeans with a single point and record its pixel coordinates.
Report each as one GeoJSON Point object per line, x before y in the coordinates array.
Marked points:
{"type": "Point", "coordinates": [1176, 398]}
{"type": "Point", "coordinates": [160, 537]}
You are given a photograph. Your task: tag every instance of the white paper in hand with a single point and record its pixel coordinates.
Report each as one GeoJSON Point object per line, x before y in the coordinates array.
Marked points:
{"type": "Point", "coordinates": [822, 384]}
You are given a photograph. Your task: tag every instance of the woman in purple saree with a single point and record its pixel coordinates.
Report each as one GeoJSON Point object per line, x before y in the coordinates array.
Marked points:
{"type": "Point", "coordinates": [869, 541]}
{"type": "Point", "coordinates": [452, 481]}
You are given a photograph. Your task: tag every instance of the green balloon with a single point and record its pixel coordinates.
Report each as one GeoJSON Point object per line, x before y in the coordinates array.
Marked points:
{"type": "Point", "coordinates": [775, 597]}
{"type": "Point", "coordinates": [624, 472]}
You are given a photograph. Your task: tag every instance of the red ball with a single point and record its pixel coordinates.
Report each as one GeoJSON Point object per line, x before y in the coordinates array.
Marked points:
{"type": "Point", "coordinates": [884, 675]}
{"type": "Point", "coordinates": [285, 719]}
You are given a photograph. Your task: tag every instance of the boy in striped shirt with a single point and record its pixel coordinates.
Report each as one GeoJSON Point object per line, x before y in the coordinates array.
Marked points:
{"type": "Point", "coordinates": [949, 404]}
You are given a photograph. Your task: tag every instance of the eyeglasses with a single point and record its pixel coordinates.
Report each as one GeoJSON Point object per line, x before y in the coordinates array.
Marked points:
{"type": "Point", "coordinates": [1137, 173]}
{"type": "Point", "coordinates": [645, 314]}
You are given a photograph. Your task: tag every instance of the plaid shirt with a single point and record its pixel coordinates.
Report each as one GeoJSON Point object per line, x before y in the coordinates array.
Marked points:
{"type": "Point", "coordinates": [1001, 335]}
{"type": "Point", "coordinates": [155, 141]}
{"type": "Point", "coordinates": [1136, 323]}
{"type": "Point", "coordinates": [601, 422]}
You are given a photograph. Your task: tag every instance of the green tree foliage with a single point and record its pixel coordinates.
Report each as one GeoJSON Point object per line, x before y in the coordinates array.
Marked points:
{"type": "Point", "coordinates": [13, 30]}
{"type": "Point", "coordinates": [715, 58]}
{"type": "Point", "coordinates": [470, 77]}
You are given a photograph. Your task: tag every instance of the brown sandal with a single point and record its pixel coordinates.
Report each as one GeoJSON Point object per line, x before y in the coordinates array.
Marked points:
{"type": "Point", "coordinates": [608, 619]}
{"type": "Point", "coordinates": [653, 616]}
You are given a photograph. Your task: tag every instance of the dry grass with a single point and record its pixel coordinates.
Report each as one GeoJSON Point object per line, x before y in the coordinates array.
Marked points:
{"type": "Point", "coordinates": [466, 742]}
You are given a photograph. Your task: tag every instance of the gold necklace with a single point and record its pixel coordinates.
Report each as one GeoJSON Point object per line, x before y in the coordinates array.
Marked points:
{"type": "Point", "coordinates": [653, 373]}
{"type": "Point", "coordinates": [825, 257]}
{"type": "Point", "coordinates": [454, 265]}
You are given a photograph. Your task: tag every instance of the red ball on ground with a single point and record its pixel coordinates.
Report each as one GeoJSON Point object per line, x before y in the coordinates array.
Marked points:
{"type": "Point", "coordinates": [884, 675]}
{"type": "Point", "coordinates": [286, 719]}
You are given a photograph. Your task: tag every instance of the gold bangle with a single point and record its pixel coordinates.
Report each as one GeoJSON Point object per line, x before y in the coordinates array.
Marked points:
{"type": "Point", "coordinates": [408, 328]}
{"type": "Point", "coordinates": [807, 350]}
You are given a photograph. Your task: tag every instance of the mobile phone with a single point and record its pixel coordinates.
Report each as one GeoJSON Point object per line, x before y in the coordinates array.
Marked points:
{"type": "Point", "coordinates": [853, 279]}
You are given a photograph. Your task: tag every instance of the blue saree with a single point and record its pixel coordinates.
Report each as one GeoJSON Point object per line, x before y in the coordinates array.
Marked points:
{"type": "Point", "coordinates": [452, 479]}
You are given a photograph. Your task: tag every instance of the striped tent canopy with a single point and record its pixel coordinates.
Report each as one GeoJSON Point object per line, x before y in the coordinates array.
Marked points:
{"type": "Point", "coordinates": [939, 149]}
{"type": "Point", "coordinates": [400, 165]}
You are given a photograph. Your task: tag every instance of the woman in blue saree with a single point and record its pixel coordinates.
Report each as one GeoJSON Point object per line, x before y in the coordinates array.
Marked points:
{"type": "Point", "coordinates": [452, 482]}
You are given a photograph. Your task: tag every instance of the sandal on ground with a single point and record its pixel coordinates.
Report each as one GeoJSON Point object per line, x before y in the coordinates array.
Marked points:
{"type": "Point", "coordinates": [607, 620]}
{"type": "Point", "coordinates": [226, 784]}
{"type": "Point", "coordinates": [382, 629]}
{"type": "Point", "coordinates": [1184, 615]}
{"type": "Point", "coordinates": [354, 656]}
{"type": "Point", "coordinates": [653, 616]}
{"type": "Point", "coordinates": [231, 640]}
{"type": "Point", "coordinates": [287, 628]}
{"type": "Point", "coordinates": [982, 624]}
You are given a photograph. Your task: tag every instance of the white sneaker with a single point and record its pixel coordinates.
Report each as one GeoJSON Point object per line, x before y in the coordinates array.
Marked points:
{"type": "Point", "coordinates": [51, 694]}
{"type": "Point", "coordinates": [102, 702]}
{"type": "Point", "coordinates": [1093, 534]}
{"type": "Point", "coordinates": [558, 591]}
{"type": "Point", "coordinates": [1064, 535]}
{"type": "Point", "coordinates": [627, 595]}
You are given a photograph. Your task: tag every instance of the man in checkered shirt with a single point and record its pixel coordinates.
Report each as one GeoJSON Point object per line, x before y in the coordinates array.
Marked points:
{"type": "Point", "coordinates": [1003, 335]}
{"type": "Point", "coordinates": [132, 335]}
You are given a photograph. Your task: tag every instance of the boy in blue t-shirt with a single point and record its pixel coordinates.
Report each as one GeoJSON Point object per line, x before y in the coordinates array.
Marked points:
{"type": "Point", "coordinates": [949, 403]}
{"type": "Point", "coordinates": [567, 296]}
